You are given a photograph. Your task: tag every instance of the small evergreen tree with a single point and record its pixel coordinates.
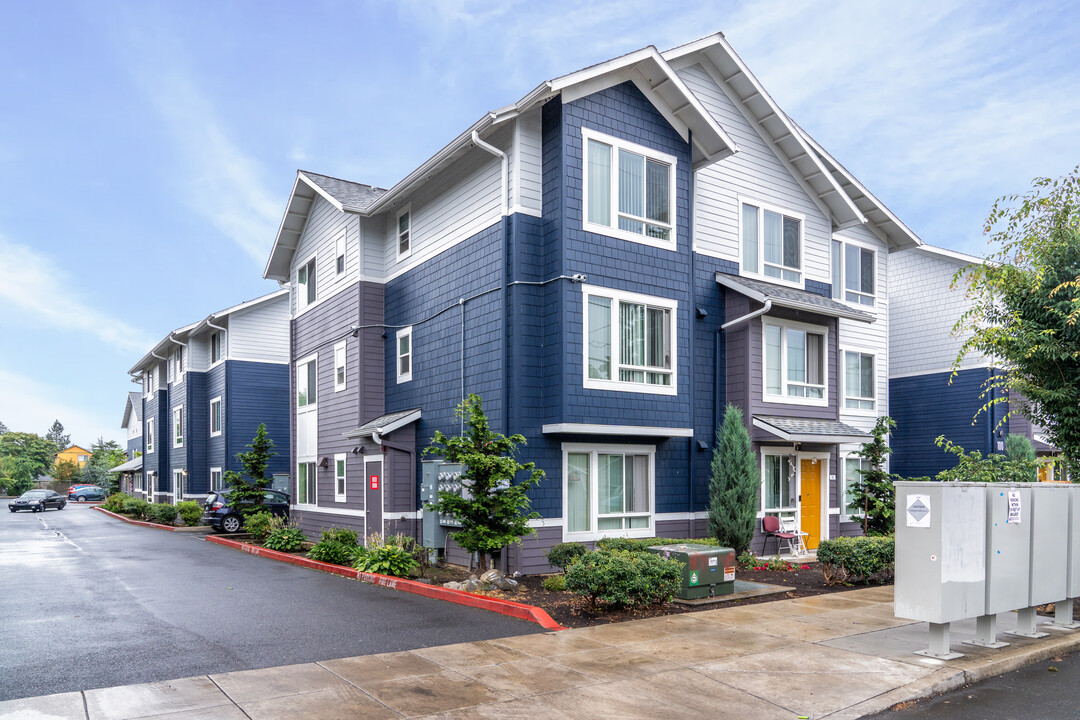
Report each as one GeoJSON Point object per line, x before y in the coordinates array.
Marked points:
{"type": "Point", "coordinates": [248, 489]}
{"type": "Point", "coordinates": [734, 484]}
{"type": "Point", "coordinates": [495, 512]}
{"type": "Point", "coordinates": [1020, 450]}
{"type": "Point", "coordinates": [873, 494]}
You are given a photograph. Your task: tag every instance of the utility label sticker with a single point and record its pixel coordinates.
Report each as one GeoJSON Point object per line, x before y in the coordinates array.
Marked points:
{"type": "Point", "coordinates": [1014, 508]}
{"type": "Point", "coordinates": [918, 511]}
{"type": "Point", "coordinates": [729, 573]}
{"type": "Point", "coordinates": [693, 578]}
{"type": "Point", "coordinates": [712, 561]}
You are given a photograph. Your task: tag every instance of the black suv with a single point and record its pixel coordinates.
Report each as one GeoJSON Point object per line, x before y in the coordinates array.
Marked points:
{"type": "Point", "coordinates": [218, 514]}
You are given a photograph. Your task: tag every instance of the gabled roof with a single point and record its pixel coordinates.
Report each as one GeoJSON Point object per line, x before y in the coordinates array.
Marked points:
{"type": "Point", "coordinates": [75, 447]}
{"type": "Point", "coordinates": [132, 408]}
{"type": "Point", "coordinates": [789, 297]}
{"type": "Point", "coordinates": [953, 256]}
{"type": "Point", "coordinates": [385, 424]}
{"type": "Point", "coordinates": [809, 430]}
{"type": "Point", "coordinates": [646, 68]}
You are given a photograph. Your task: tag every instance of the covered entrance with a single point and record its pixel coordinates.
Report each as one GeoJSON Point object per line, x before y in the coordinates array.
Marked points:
{"type": "Point", "coordinates": [810, 487]}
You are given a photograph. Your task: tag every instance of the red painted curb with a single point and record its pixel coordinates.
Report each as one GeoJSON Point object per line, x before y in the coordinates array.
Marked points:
{"type": "Point", "coordinates": [134, 522]}
{"type": "Point", "coordinates": [459, 597]}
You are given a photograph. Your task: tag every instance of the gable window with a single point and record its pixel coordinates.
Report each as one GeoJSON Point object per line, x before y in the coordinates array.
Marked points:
{"type": "Point", "coordinates": [404, 232]}
{"type": "Point", "coordinates": [795, 362]}
{"type": "Point", "coordinates": [150, 381]}
{"type": "Point", "coordinates": [178, 426]}
{"type": "Point", "coordinates": [305, 483]}
{"type": "Point", "coordinates": [149, 436]}
{"type": "Point", "coordinates": [629, 341]}
{"type": "Point", "coordinates": [306, 382]}
{"type": "Point", "coordinates": [858, 275]}
{"type": "Point", "coordinates": [217, 347]}
{"type": "Point", "coordinates": [176, 364]}
{"type": "Point", "coordinates": [339, 477]}
{"type": "Point", "coordinates": [215, 479]}
{"type": "Point", "coordinates": [404, 354]}
{"type": "Point", "coordinates": [852, 479]}
{"type": "Point", "coordinates": [305, 284]}
{"type": "Point", "coordinates": [339, 366]}
{"type": "Point", "coordinates": [858, 381]}
{"type": "Point", "coordinates": [609, 490]}
{"type": "Point", "coordinates": [771, 243]}
{"type": "Point", "coordinates": [629, 190]}
{"type": "Point", "coordinates": [778, 485]}
{"type": "Point", "coordinates": [215, 417]}
{"type": "Point", "coordinates": [339, 254]}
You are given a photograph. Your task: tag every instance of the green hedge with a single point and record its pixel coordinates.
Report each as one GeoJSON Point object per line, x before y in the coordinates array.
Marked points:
{"type": "Point", "coordinates": [642, 544]}
{"type": "Point", "coordinates": [565, 553]}
{"type": "Point", "coordinates": [846, 560]}
{"type": "Point", "coordinates": [624, 579]}
{"type": "Point", "coordinates": [190, 512]}
{"type": "Point", "coordinates": [163, 513]}
{"type": "Point", "coordinates": [136, 508]}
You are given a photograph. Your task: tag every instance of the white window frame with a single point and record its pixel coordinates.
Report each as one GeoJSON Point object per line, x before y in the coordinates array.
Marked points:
{"type": "Point", "coordinates": [310, 267]}
{"type": "Point", "coordinates": [783, 398]}
{"type": "Point", "coordinates": [871, 412]}
{"type": "Point", "coordinates": [340, 363]}
{"type": "Point", "coordinates": [404, 332]}
{"type": "Point", "coordinates": [149, 435]}
{"type": "Point", "coordinates": [617, 296]}
{"type": "Point", "coordinates": [594, 451]}
{"type": "Point", "coordinates": [222, 351]}
{"type": "Point", "coordinates": [845, 514]}
{"type": "Point", "coordinates": [150, 377]}
{"type": "Point", "coordinates": [781, 511]}
{"type": "Point", "coordinates": [398, 252]}
{"type": "Point", "coordinates": [221, 419]}
{"type": "Point", "coordinates": [178, 440]}
{"type": "Point", "coordinates": [176, 364]}
{"type": "Point", "coordinates": [177, 493]}
{"type": "Point", "coordinates": [340, 246]}
{"type": "Point", "coordinates": [312, 497]}
{"type": "Point", "coordinates": [214, 487]}
{"type": "Point", "coordinates": [759, 271]}
{"type": "Point", "coordinates": [612, 229]}
{"type": "Point", "coordinates": [340, 479]}
{"type": "Point", "coordinates": [839, 265]}
{"type": "Point", "coordinates": [310, 406]}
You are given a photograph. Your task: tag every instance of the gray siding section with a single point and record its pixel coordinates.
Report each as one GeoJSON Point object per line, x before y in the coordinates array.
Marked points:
{"type": "Point", "coordinates": [529, 192]}
{"type": "Point", "coordinates": [313, 523]}
{"type": "Point", "coordinates": [261, 333]}
{"type": "Point", "coordinates": [325, 224]}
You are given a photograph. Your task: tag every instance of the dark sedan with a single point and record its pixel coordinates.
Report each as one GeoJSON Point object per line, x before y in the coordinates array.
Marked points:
{"type": "Point", "coordinates": [38, 501]}
{"type": "Point", "coordinates": [218, 514]}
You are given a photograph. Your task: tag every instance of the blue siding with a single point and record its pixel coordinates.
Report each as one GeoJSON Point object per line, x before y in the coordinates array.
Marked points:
{"type": "Point", "coordinates": [215, 446]}
{"type": "Point", "coordinates": [819, 288]}
{"type": "Point", "coordinates": [255, 393]}
{"type": "Point", "coordinates": [178, 456]}
{"type": "Point", "coordinates": [196, 432]}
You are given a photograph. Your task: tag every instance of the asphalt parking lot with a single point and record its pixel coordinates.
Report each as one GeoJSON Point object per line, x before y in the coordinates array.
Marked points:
{"type": "Point", "coordinates": [87, 601]}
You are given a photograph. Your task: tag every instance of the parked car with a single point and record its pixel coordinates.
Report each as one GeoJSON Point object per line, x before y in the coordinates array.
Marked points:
{"type": "Point", "coordinates": [38, 501]}
{"type": "Point", "coordinates": [76, 486]}
{"type": "Point", "coordinates": [220, 515]}
{"type": "Point", "coordinates": [87, 492]}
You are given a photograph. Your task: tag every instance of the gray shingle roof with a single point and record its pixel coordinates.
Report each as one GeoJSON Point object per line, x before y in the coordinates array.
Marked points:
{"type": "Point", "coordinates": [807, 430]}
{"type": "Point", "coordinates": [388, 423]}
{"type": "Point", "coordinates": [129, 466]}
{"type": "Point", "coordinates": [790, 297]}
{"type": "Point", "coordinates": [353, 195]}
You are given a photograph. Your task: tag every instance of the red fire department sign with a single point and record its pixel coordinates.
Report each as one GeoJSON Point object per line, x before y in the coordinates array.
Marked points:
{"type": "Point", "coordinates": [374, 479]}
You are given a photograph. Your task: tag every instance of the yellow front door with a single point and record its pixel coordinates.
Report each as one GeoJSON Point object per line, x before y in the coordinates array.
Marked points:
{"type": "Point", "coordinates": [810, 501]}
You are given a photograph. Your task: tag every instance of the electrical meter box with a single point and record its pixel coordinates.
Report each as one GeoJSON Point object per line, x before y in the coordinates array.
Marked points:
{"type": "Point", "coordinates": [940, 551]}
{"type": "Point", "coordinates": [438, 477]}
{"type": "Point", "coordinates": [707, 570]}
{"type": "Point", "coordinates": [1008, 546]}
{"type": "Point", "coordinates": [1049, 543]}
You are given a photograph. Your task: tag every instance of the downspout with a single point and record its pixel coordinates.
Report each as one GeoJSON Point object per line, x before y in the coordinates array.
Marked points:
{"type": "Point", "coordinates": [749, 316]}
{"type": "Point", "coordinates": [378, 439]}
{"type": "Point", "coordinates": [505, 161]}
{"type": "Point", "coordinates": [690, 376]}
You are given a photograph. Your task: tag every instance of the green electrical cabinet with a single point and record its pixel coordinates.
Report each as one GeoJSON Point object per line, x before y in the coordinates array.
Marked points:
{"type": "Point", "coordinates": [707, 570]}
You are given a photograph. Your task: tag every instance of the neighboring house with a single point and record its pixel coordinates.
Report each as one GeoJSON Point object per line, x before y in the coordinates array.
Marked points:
{"type": "Point", "coordinates": [206, 388]}
{"type": "Point", "coordinates": [607, 263]}
{"type": "Point", "coordinates": [130, 472]}
{"type": "Point", "coordinates": [75, 454]}
{"type": "Point", "coordinates": [927, 401]}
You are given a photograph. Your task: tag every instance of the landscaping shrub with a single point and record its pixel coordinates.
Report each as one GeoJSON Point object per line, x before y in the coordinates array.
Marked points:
{"type": "Point", "coordinates": [389, 556]}
{"type": "Point", "coordinates": [623, 579]}
{"type": "Point", "coordinates": [845, 560]}
{"type": "Point", "coordinates": [344, 536]}
{"type": "Point", "coordinates": [554, 583]}
{"type": "Point", "coordinates": [331, 551]}
{"type": "Point", "coordinates": [643, 544]}
{"type": "Point", "coordinates": [136, 508]}
{"type": "Point", "coordinates": [260, 524]}
{"type": "Point", "coordinates": [563, 554]}
{"type": "Point", "coordinates": [190, 512]}
{"type": "Point", "coordinates": [163, 513]}
{"type": "Point", "coordinates": [115, 502]}
{"type": "Point", "coordinates": [286, 538]}
{"type": "Point", "coordinates": [746, 560]}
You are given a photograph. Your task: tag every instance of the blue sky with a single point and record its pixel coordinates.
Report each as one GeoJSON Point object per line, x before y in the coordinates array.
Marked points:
{"type": "Point", "coordinates": [147, 149]}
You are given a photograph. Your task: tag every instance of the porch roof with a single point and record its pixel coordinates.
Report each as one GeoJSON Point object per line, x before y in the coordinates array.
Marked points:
{"type": "Point", "coordinates": [130, 466]}
{"type": "Point", "coordinates": [385, 424]}
{"type": "Point", "coordinates": [807, 430]}
{"type": "Point", "coordinates": [790, 297]}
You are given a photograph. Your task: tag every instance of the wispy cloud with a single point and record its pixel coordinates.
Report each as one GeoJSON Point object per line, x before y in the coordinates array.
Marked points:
{"type": "Point", "coordinates": [27, 405]}
{"type": "Point", "coordinates": [34, 284]}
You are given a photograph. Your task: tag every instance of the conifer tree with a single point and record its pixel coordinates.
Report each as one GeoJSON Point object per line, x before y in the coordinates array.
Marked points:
{"type": "Point", "coordinates": [734, 484]}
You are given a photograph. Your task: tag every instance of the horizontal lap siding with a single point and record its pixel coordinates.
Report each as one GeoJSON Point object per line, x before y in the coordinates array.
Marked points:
{"type": "Point", "coordinates": [324, 224]}
{"type": "Point", "coordinates": [530, 192]}
{"type": "Point", "coordinates": [197, 434]}
{"type": "Point", "coordinates": [313, 523]}
{"type": "Point", "coordinates": [261, 333]}
{"type": "Point", "coordinates": [216, 455]}
{"type": "Point", "coordinates": [257, 393]}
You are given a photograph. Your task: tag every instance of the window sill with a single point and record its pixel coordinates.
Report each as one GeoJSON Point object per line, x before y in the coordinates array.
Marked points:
{"type": "Point", "coordinates": [784, 400]}
{"type": "Point", "coordinates": [593, 536]}
{"type": "Point", "coordinates": [339, 498]}
{"type": "Point", "coordinates": [215, 434]}
{"type": "Point", "coordinates": [618, 234]}
{"type": "Point", "coordinates": [860, 413]}
{"type": "Point", "coordinates": [800, 285]}
{"type": "Point", "coordinates": [616, 386]}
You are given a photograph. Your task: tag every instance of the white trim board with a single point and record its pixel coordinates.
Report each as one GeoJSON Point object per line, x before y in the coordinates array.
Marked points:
{"type": "Point", "coordinates": [629, 430]}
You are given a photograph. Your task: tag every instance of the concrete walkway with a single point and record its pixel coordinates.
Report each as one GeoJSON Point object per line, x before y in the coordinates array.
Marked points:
{"type": "Point", "coordinates": [837, 656]}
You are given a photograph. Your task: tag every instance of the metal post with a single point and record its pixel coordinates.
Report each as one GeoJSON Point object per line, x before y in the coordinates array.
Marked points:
{"type": "Point", "coordinates": [1025, 624]}
{"type": "Point", "coordinates": [939, 643]}
{"type": "Point", "coordinates": [986, 633]}
{"type": "Point", "coordinates": [1063, 615]}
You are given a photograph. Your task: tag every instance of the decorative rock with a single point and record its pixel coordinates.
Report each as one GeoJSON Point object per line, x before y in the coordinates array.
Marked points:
{"type": "Point", "coordinates": [505, 583]}
{"type": "Point", "coordinates": [491, 576]}
{"type": "Point", "coordinates": [454, 586]}
{"type": "Point", "coordinates": [472, 585]}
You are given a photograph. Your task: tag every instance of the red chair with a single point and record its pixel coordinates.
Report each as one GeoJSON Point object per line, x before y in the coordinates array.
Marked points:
{"type": "Point", "coordinates": [770, 525]}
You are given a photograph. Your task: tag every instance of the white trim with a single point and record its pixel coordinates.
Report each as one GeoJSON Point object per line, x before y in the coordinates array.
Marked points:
{"type": "Point", "coordinates": [221, 417]}
{"type": "Point", "coordinates": [843, 290]}
{"type": "Point", "coordinates": [342, 458]}
{"type": "Point", "coordinates": [221, 482]}
{"type": "Point", "coordinates": [515, 208]}
{"type": "Point", "coordinates": [312, 483]}
{"type": "Point", "coordinates": [613, 229]}
{"type": "Point", "coordinates": [842, 383]}
{"type": "Point", "coordinates": [783, 398]}
{"type": "Point", "coordinates": [938, 371]}
{"type": "Point", "coordinates": [150, 435]}
{"type": "Point", "coordinates": [546, 522]}
{"type": "Point", "coordinates": [341, 252]}
{"type": "Point", "coordinates": [302, 303]}
{"type": "Point", "coordinates": [223, 348]}
{"type": "Point", "coordinates": [841, 485]}
{"type": "Point", "coordinates": [617, 296]}
{"type": "Point", "coordinates": [183, 430]}
{"type": "Point", "coordinates": [404, 377]}
{"type": "Point", "coordinates": [593, 451]}
{"type": "Point", "coordinates": [630, 430]}
{"type": "Point", "coordinates": [317, 510]}
{"type": "Point", "coordinates": [759, 271]}
{"type": "Point", "coordinates": [398, 254]}
{"type": "Point", "coordinates": [343, 348]}
{"type": "Point", "coordinates": [310, 406]}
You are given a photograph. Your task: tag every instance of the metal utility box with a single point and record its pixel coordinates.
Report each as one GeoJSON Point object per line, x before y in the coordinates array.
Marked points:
{"type": "Point", "coordinates": [707, 570]}
{"type": "Point", "coordinates": [1049, 543]}
{"type": "Point", "coordinates": [940, 551]}
{"type": "Point", "coordinates": [438, 476]}
{"type": "Point", "coordinates": [1008, 547]}
{"type": "Point", "coordinates": [1072, 589]}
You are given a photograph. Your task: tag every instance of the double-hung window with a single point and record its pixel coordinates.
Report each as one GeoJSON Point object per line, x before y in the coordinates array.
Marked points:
{"type": "Point", "coordinates": [176, 364]}
{"type": "Point", "coordinates": [305, 483]}
{"type": "Point", "coordinates": [629, 191]}
{"type": "Point", "coordinates": [149, 382]}
{"type": "Point", "coordinates": [853, 269]}
{"type": "Point", "coordinates": [629, 341]}
{"type": "Point", "coordinates": [178, 426]}
{"type": "Point", "coordinates": [339, 254]}
{"type": "Point", "coordinates": [771, 243]}
{"type": "Point", "coordinates": [149, 436]}
{"type": "Point", "coordinates": [305, 284]}
{"type": "Point", "coordinates": [215, 479]}
{"type": "Point", "coordinates": [852, 480]}
{"type": "Point", "coordinates": [795, 362]}
{"type": "Point", "coordinates": [609, 490]}
{"type": "Point", "coordinates": [404, 232]}
{"type": "Point", "coordinates": [404, 354]}
{"type": "Point", "coordinates": [858, 381]}
{"type": "Point", "coordinates": [306, 384]}
{"type": "Point", "coordinates": [217, 347]}
{"type": "Point", "coordinates": [339, 477]}
{"type": "Point", "coordinates": [778, 486]}
{"type": "Point", "coordinates": [215, 417]}
{"type": "Point", "coordinates": [339, 366]}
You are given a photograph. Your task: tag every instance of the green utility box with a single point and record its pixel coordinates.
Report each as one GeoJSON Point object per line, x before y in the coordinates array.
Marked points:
{"type": "Point", "coordinates": [708, 570]}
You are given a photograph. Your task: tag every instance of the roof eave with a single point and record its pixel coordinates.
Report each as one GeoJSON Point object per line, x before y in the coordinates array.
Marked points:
{"type": "Point", "coordinates": [732, 283]}
{"type": "Point", "coordinates": [808, 437]}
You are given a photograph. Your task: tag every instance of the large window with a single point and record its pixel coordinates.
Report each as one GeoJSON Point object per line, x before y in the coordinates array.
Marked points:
{"type": "Point", "coordinates": [858, 381]}
{"type": "Point", "coordinates": [339, 477]}
{"type": "Point", "coordinates": [215, 479]}
{"type": "Point", "coordinates": [795, 362]}
{"type": "Point", "coordinates": [629, 191]}
{"type": "Point", "coordinates": [178, 426]}
{"type": "Point", "coordinates": [305, 284]}
{"type": "Point", "coordinates": [339, 366]}
{"type": "Point", "coordinates": [629, 341]}
{"type": "Point", "coordinates": [778, 495]}
{"type": "Point", "coordinates": [404, 232]}
{"type": "Point", "coordinates": [306, 383]}
{"type": "Point", "coordinates": [150, 436]}
{"type": "Point", "coordinates": [305, 483]}
{"type": "Point", "coordinates": [215, 417]}
{"type": "Point", "coordinates": [217, 347]}
{"type": "Point", "coordinates": [853, 269]}
{"type": "Point", "coordinates": [852, 479]}
{"type": "Point", "coordinates": [608, 490]}
{"type": "Point", "coordinates": [771, 243]}
{"type": "Point", "coordinates": [404, 354]}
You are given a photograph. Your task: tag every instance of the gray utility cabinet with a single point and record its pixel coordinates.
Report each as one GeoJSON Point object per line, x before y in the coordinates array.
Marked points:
{"type": "Point", "coordinates": [438, 476]}
{"type": "Point", "coordinates": [1073, 581]}
{"type": "Point", "coordinates": [1008, 547]}
{"type": "Point", "coordinates": [940, 551]}
{"type": "Point", "coordinates": [1049, 544]}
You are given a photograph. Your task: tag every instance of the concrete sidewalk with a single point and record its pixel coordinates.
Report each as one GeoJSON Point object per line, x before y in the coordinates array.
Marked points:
{"type": "Point", "coordinates": [837, 656]}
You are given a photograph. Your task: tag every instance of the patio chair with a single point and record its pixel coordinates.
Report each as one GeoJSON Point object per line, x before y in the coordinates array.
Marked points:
{"type": "Point", "coordinates": [770, 526]}
{"type": "Point", "coordinates": [787, 524]}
